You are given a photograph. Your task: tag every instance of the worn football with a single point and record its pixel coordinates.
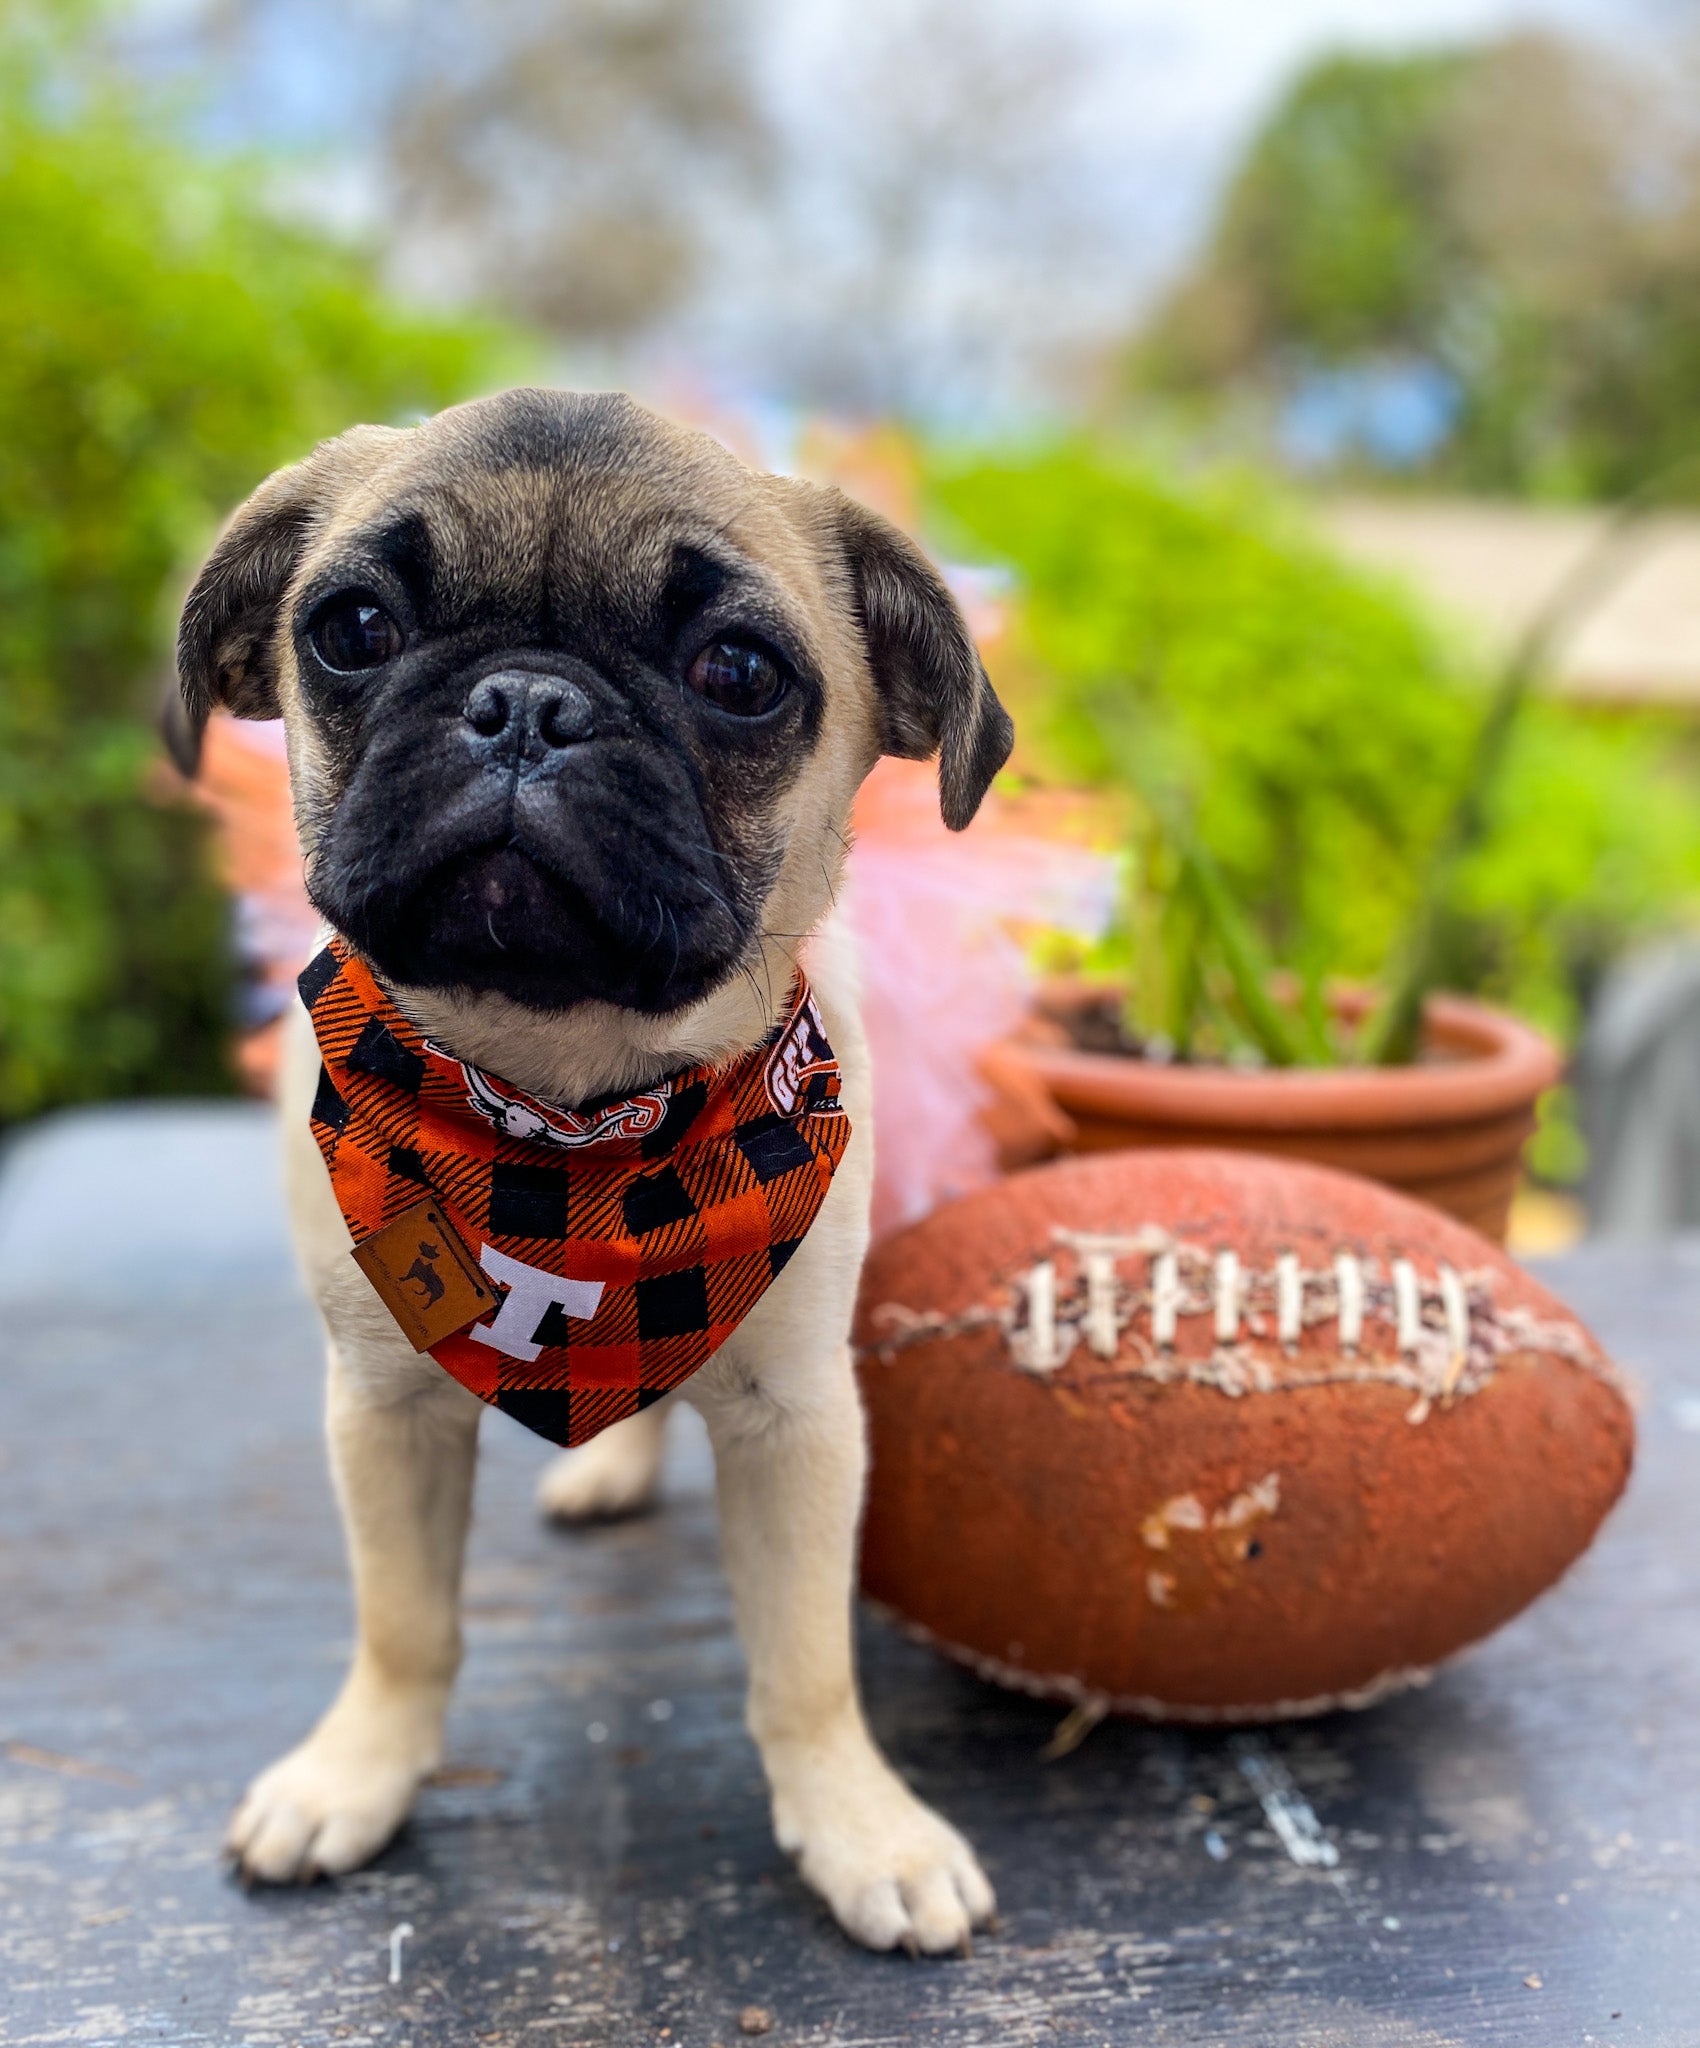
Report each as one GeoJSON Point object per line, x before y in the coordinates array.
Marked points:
{"type": "Point", "coordinates": [1206, 1436]}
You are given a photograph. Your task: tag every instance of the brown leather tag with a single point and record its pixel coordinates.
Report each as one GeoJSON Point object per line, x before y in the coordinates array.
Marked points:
{"type": "Point", "coordinates": [424, 1275]}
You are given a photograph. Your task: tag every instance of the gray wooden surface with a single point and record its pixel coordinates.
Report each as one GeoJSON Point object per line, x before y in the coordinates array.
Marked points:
{"type": "Point", "coordinates": [597, 1867]}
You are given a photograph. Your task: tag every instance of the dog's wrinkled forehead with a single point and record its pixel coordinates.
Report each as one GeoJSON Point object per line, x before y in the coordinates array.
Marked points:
{"type": "Point", "coordinates": [596, 516]}
{"type": "Point", "coordinates": [583, 523]}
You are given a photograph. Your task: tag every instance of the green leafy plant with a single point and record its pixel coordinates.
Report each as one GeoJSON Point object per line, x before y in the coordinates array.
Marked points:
{"type": "Point", "coordinates": [165, 339]}
{"type": "Point", "coordinates": [1317, 785]}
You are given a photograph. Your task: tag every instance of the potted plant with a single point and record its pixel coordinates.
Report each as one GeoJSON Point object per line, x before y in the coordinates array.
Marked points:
{"type": "Point", "coordinates": [1314, 781]}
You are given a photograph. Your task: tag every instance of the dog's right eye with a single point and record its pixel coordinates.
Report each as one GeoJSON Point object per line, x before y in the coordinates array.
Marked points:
{"type": "Point", "coordinates": [354, 632]}
{"type": "Point", "coordinates": [738, 678]}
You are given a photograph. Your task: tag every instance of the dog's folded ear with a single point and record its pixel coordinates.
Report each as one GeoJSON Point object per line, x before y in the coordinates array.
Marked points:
{"type": "Point", "coordinates": [935, 698]}
{"type": "Point", "coordinates": [224, 639]}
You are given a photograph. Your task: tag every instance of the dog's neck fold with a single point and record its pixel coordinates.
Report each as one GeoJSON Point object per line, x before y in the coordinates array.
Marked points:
{"type": "Point", "coordinates": [597, 1049]}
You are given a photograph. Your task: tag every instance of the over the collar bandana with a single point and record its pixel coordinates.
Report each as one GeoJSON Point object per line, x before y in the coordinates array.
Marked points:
{"type": "Point", "coordinates": [568, 1266]}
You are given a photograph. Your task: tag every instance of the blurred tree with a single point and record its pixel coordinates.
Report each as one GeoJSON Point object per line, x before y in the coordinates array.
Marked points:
{"type": "Point", "coordinates": [1525, 215]}
{"type": "Point", "coordinates": [629, 169]}
{"type": "Point", "coordinates": [560, 159]}
{"type": "Point", "coordinates": [940, 215]}
{"type": "Point", "coordinates": [871, 204]}
{"type": "Point", "coordinates": [1331, 238]}
{"type": "Point", "coordinates": [163, 343]}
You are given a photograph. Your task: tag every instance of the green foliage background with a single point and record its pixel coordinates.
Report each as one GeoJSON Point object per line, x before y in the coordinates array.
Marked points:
{"type": "Point", "coordinates": [1191, 636]}
{"type": "Point", "coordinates": [165, 340]}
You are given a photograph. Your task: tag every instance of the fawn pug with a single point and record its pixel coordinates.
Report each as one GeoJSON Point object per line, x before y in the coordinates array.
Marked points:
{"type": "Point", "coordinates": [577, 705]}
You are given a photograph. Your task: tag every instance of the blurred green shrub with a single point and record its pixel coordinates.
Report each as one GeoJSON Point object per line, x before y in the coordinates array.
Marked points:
{"type": "Point", "coordinates": [165, 340]}
{"type": "Point", "coordinates": [1192, 643]}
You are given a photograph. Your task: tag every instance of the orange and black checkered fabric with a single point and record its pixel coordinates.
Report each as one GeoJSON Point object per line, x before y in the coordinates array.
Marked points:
{"type": "Point", "coordinates": [684, 1201]}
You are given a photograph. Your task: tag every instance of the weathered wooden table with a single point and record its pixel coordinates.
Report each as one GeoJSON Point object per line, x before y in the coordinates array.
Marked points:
{"type": "Point", "coordinates": [1519, 1846]}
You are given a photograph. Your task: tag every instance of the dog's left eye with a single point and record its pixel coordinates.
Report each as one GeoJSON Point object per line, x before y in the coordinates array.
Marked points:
{"type": "Point", "coordinates": [353, 632]}
{"type": "Point", "coordinates": [736, 677]}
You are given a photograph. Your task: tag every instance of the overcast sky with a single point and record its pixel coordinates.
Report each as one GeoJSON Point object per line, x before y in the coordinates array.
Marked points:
{"type": "Point", "coordinates": [1170, 90]}
{"type": "Point", "coordinates": [1197, 74]}
{"type": "Point", "coordinates": [1188, 75]}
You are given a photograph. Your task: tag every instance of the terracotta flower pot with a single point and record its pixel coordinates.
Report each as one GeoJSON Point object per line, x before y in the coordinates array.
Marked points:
{"type": "Point", "coordinates": [1449, 1129]}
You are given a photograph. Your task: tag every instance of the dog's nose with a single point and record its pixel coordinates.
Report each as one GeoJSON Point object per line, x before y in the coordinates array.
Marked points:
{"type": "Point", "coordinates": [539, 712]}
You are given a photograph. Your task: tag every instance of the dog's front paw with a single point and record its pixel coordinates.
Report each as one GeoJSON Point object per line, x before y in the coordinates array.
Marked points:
{"type": "Point", "coordinates": [894, 1873]}
{"type": "Point", "coordinates": [326, 1807]}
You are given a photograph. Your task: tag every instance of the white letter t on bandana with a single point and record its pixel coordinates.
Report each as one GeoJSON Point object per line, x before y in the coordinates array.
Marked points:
{"type": "Point", "coordinates": [531, 1295]}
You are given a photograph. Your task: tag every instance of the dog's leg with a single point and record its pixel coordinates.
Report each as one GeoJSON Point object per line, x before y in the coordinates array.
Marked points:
{"type": "Point", "coordinates": [790, 1464]}
{"type": "Point", "coordinates": [403, 1471]}
{"type": "Point", "coordinates": [614, 1474]}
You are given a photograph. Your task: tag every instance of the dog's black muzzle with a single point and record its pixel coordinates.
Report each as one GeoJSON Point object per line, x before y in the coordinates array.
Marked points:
{"type": "Point", "coordinates": [539, 841]}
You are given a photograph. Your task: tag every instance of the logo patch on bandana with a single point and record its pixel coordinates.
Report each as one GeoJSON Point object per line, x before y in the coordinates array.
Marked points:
{"type": "Point", "coordinates": [518, 1115]}
{"type": "Point", "coordinates": [425, 1276]}
{"type": "Point", "coordinates": [802, 1051]}
{"type": "Point", "coordinates": [534, 1295]}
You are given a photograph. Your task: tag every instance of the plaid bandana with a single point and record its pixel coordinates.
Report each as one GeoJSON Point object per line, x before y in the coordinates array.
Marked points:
{"type": "Point", "coordinates": [568, 1266]}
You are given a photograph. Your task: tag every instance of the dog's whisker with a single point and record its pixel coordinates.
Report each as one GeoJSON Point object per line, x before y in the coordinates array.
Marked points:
{"type": "Point", "coordinates": [744, 970]}
{"type": "Point", "coordinates": [714, 896]}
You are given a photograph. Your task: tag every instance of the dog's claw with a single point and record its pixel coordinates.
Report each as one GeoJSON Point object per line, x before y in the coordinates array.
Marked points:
{"type": "Point", "coordinates": [319, 1811]}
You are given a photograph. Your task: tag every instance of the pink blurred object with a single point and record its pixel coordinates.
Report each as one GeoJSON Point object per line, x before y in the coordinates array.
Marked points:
{"type": "Point", "coordinates": [244, 782]}
{"type": "Point", "coordinates": [944, 974]}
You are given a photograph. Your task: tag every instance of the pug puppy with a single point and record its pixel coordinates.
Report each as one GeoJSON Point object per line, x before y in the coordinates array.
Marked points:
{"type": "Point", "coordinates": [691, 666]}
